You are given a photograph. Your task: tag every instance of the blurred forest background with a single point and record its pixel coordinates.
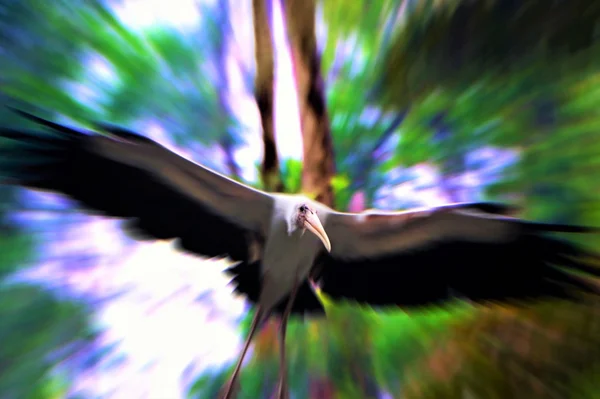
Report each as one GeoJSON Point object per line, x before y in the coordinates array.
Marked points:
{"type": "Point", "coordinates": [408, 103]}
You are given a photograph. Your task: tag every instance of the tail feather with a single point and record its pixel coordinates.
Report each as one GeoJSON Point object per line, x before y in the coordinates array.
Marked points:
{"type": "Point", "coordinates": [36, 158]}
{"type": "Point", "coordinates": [574, 257]}
{"type": "Point", "coordinates": [246, 280]}
{"type": "Point", "coordinates": [578, 264]}
{"type": "Point", "coordinates": [564, 277]}
{"type": "Point", "coordinates": [559, 228]}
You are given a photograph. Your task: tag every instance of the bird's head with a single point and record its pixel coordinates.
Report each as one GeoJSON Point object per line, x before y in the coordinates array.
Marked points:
{"type": "Point", "coordinates": [305, 218]}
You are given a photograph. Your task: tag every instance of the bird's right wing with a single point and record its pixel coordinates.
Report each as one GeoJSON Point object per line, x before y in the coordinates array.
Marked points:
{"type": "Point", "coordinates": [126, 175]}
{"type": "Point", "coordinates": [431, 255]}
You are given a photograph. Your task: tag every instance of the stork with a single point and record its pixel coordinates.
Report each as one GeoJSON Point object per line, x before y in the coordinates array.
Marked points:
{"type": "Point", "coordinates": [283, 242]}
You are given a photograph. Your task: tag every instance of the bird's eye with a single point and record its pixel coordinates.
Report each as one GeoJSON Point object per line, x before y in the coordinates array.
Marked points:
{"type": "Point", "coordinates": [303, 208]}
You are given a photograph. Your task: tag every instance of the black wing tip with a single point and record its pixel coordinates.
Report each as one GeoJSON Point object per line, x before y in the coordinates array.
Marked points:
{"type": "Point", "coordinates": [17, 110]}
{"type": "Point", "coordinates": [27, 115]}
{"type": "Point", "coordinates": [245, 278]}
{"type": "Point", "coordinates": [45, 122]}
{"type": "Point", "coordinates": [564, 228]}
{"type": "Point", "coordinates": [497, 208]}
{"type": "Point", "coordinates": [110, 128]}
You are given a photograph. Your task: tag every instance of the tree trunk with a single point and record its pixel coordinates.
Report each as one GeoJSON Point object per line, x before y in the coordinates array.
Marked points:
{"type": "Point", "coordinates": [319, 162]}
{"type": "Point", "coordinates": [264, 93]}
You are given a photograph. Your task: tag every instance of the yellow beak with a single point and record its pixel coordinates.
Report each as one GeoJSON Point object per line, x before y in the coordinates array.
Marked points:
{"type": "Point", "coordinates": [314, 225]}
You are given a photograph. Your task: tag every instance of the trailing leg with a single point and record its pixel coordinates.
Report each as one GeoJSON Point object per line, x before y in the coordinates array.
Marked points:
{"type": "Point", "coordinates": [283, 389]}
{"type": "Point", "coordinates": [231, 388]}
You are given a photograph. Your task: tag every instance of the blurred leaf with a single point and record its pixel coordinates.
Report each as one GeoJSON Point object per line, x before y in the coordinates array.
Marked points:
{"type": "Point", "coordinates": [34, 325]}
{"type": "Point", "coordinates": [291, 175]}
{"type": "Point", "coordinates": [16, 252]}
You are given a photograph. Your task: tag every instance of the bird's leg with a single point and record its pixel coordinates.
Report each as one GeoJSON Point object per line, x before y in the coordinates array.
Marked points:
{"type": "Point", "coordinates": [230, 389]}
{"type": "Point", "coordinates": [283, 391]}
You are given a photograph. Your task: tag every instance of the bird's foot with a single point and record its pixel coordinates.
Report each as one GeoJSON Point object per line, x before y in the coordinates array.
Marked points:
{"type": "Point", "coordinates": [229, 391]}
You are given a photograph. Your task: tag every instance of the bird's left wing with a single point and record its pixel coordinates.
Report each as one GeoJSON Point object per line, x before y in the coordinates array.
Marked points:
{"type": "Point", "coordinates": [125, 175]}
{"type": "Point", "coordinates": [433, 255]}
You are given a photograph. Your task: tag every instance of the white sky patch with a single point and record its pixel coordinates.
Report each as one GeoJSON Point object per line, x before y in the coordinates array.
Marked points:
{"type": "Point", "coordinates": [242, 104]}
{"type": "Point", "coordinates": [145, 13]}
{"type": "Point", "coordinates": [320, 27]}
{"type": "Point", "coordinates": [158, 325]}
{"type": "Point", "coordinates": [247, 156]}
{"type": "Point", "coordinates": [100, 68]}
{"type": "Point", "coordinates": [84, 93]}
{"type": "Point", "coordinates": [242, 26]}
{"type": "Point", "coordinates": [287, 118]}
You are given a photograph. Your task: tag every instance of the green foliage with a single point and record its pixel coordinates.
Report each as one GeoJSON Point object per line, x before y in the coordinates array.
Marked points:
{"type": "Point", "coordinates": [351, 54]}
{"type": "Point", "coordinates": [586, 384]}
{"type": "Point", "coordinates": [538, 352]}
{"type": "Point", "coordinates": [16, 250]}
{"type": "Point", "coordinates": [414, 335]}
{"type": "Point", "coordinates": [34, 326]}
{"type": "Point", "coordinates": [34, 74]}
{"type": "Point", "coordinates": [438, 101]}
{"type": "Point", "coordinates": [356, 21]}
{"type": "Point", "coordinates": [342, 191]}
{"type": "Point", "coordinates": [449, 43]}
{"type": "Point", "coordinates": [291, 175]}
{"type": "Point", "coordinates": [354, 344]}
{"type": "Point", "coordinates": [158, 73]}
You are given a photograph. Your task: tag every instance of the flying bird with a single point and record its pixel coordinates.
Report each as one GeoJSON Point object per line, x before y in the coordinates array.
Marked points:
{"type": "Point", "coordinates": [285, 244]}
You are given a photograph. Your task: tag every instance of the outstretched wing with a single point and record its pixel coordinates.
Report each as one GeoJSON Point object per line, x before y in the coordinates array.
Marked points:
{"type": "Point", "coordinates": [434, 255]}
{"type": "Point", "coordinates": [126, 175]}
